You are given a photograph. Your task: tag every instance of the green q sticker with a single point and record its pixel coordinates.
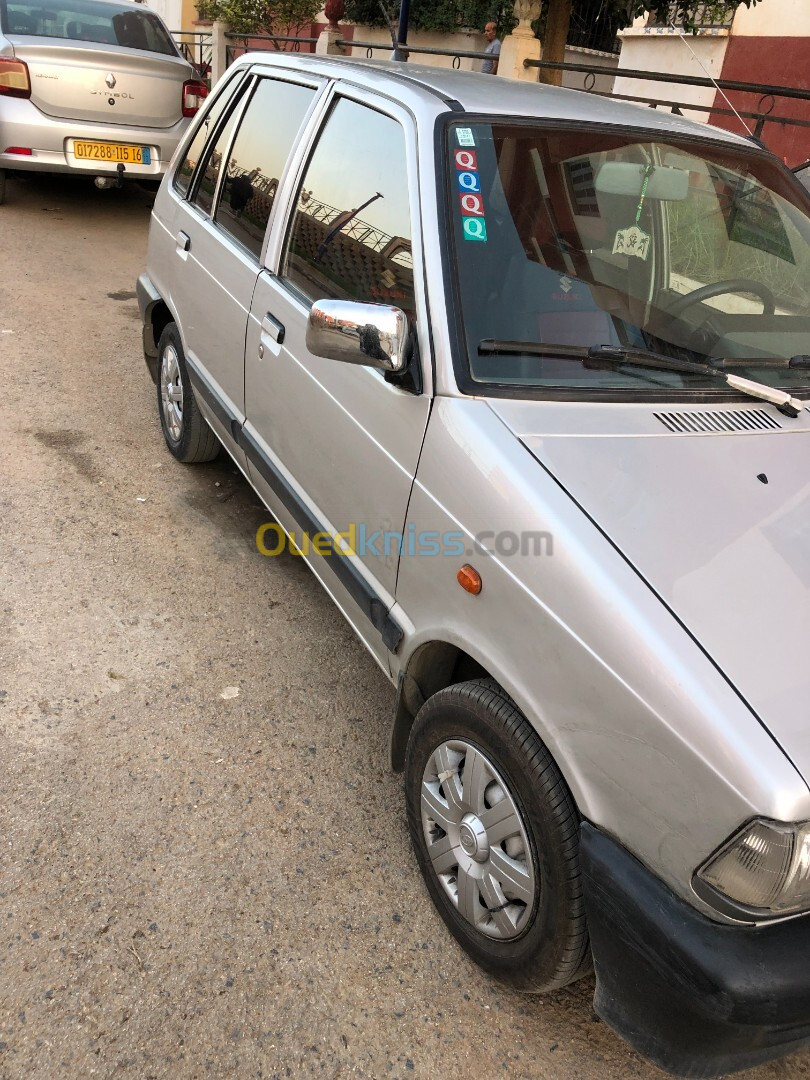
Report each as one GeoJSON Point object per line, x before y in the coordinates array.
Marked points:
{"type": "Point", "coordinates": [475, 228]}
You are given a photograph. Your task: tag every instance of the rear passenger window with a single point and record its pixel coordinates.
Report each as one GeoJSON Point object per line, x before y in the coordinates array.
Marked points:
{"type": "Point", "coordinates": [259, 153]}
{"type": "Point", "coordinates": [182, 178]}
{"type": "Point", "coordinates": [350, 237]}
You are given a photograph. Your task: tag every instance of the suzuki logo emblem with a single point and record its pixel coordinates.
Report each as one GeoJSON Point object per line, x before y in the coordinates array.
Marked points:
{"type": "Point", "coordinates": [110, 80]}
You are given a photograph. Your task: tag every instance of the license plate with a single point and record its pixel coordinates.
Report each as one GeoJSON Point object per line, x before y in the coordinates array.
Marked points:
{"type": "Point", "coordinates": [114, 152]}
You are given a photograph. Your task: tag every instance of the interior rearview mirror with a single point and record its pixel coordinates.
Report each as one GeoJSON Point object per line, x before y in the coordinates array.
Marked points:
{"type": "Point", "coordinates": [374, 335]}
{"type": "Point", "coordinates": [627, 178]}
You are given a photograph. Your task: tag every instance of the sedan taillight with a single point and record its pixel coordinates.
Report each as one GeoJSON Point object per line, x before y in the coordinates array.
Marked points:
{"type": "Point", "coordinates": [194, 93]}
{"type": "Point", "coordinates": [14, 79]}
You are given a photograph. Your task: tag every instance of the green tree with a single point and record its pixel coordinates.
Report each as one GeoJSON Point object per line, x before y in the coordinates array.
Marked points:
{"type": "Point", "coordinates": [285, 17]}
{"type": "Point", "coordinates": [445, 16]}
{"type": "Point", "coordinates": [449, 15]}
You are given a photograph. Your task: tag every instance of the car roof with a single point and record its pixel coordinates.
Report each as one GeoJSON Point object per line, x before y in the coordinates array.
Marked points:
{"type": "Point", "coordinates": [473, 92]}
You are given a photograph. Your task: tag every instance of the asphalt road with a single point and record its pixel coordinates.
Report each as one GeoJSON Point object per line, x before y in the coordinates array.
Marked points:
{"type": "Point", "coordinates": [194, 884]}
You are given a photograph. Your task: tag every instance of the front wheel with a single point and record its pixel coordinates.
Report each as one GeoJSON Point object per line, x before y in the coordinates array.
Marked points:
{"type": "Point", "coordinates": [496, 835]}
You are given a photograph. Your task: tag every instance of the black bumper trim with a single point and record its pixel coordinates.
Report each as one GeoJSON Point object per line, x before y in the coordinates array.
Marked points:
{"type": "Point", "coordinates": [696, 997]}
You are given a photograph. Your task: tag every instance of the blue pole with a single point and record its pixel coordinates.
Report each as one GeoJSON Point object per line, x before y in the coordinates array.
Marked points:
{"type": "Point", "coordinates": [402, 32]}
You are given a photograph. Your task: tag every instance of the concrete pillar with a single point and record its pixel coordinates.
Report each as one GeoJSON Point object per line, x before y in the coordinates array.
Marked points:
{"type": "Point", "coordinates": [521, 44]}
{"type": "Point", "coordinates": [327, 41]}
{"type": "Point", "coordinates": [219, 51]}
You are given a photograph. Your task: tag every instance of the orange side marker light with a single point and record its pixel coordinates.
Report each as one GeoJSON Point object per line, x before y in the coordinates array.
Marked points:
{"type": "Point", "coordinates": [469, 579]}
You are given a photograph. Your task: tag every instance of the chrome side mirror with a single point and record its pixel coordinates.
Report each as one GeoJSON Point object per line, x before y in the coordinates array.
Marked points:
{"type": "Point", "coordinates": [374, 335]}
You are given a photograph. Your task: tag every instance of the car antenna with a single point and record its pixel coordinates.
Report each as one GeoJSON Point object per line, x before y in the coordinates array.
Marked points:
{"type": "Point", "coordinates": [389, 23]}
{"type": "Point", "coordinates": [709, 75]}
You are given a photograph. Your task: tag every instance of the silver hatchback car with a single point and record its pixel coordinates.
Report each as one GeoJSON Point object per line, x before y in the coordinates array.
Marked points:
{"type": "Point", "coordinates": [524, 376]}
{"type": "Point", "coordinates": [91, 86]}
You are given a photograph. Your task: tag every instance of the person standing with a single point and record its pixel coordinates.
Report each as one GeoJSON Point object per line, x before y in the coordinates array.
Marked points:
{"type": "Point", "coordinates": [490, 66]}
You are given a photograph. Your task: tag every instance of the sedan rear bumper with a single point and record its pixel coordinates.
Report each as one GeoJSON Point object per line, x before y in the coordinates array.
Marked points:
{"type": "Point", "coordinates": [696, 997]}
{"type": "Point", "coordinates": [51, 141]}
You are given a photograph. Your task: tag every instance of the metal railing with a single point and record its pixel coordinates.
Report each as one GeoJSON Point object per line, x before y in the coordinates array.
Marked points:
{"type": "Point", "coordinates": [196, 46]}
{"type": "Point", "coordinates": [237, 44]}
{"type": "Point", "coordinates": [256, 42]}
{"type": "Point", "coordinates": [370, 46]}
{"type": "Point", "coordinates": [763, 114]}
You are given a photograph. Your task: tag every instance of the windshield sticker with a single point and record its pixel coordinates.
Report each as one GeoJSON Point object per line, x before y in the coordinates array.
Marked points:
{"type": "Point", "coordinates": [472, 204]}
{"type": "Point", "coordinates": [470, 198]}
{"type": "Point", "coordinates": [632, 241]}
{"type": "Point", "coordinates": [468, 181]}
{"type": "Point", "coordinates": [465, 137]}
{"type": "Point", "coordinates": [475, 228]}
{"type": "Point", "coordinates": [466, 159]}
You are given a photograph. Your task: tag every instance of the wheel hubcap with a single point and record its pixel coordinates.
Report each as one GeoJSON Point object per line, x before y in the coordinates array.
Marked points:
{"type": "Point", "coordinates": [477, 841]}
{"type": "Point", "coordinates": [473, 838]}
{"type": "Point", "coordinates": [171, 393]}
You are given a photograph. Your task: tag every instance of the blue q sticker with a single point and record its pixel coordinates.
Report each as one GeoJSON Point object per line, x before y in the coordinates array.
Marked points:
{"type": "Point", "coordinates": [468, 181]}
{"type": "Point", "coordinates": [475, 228]}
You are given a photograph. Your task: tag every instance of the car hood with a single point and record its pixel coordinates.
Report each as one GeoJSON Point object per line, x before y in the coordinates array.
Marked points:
{"type": "Point", "coordinates": [719, 526]}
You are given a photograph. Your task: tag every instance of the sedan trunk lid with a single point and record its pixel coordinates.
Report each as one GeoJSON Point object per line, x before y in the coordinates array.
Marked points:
{"type": "Point", "coordinates": [96, 83]}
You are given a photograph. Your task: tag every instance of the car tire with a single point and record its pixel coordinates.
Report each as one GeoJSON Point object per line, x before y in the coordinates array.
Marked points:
{"type": "Point", "coordinates": [507, 882]}
{"type": "Point", "coordinates": [2, 186]}
{"type": "Point", "coordinates": [185, 430]}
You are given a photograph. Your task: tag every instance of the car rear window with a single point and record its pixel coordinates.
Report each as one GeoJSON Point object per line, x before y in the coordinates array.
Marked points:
{"type": "Point", "coordinates": [88, 20]}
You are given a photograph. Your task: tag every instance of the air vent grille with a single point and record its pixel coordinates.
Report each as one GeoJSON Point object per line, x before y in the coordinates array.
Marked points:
{"type": "Point", "coordinates": [726, 420]}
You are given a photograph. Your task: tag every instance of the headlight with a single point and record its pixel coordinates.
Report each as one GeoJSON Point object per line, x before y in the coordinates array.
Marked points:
{"type": "Point", "coordinates": [766, 866]}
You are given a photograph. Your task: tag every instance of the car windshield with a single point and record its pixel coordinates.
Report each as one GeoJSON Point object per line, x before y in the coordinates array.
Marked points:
{"type": "Point", "coordinates": [88, 20]}
{"type": "Point", "coordinates": [583, 239]}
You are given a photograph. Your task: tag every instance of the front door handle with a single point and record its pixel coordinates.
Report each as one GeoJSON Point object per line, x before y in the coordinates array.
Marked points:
{"type": "Point", "coordinates": [183, 240]}
{"type": "Point", "coordinates": [273, 328]}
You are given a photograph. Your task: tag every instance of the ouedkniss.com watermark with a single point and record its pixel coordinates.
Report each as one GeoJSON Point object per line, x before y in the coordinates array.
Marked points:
{"type": "Point", "coordinates": [272, 539]}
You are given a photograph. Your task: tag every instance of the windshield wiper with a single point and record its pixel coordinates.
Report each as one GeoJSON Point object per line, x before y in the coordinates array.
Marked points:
{"type": "Point", "coordinates": [613, 356]}
{"type": "Point", "coordinates": [760, 361]}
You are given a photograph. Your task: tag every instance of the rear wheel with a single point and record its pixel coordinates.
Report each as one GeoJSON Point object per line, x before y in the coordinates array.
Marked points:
{"type": "Point", "coordinates": [185, 430]}
{"type": "Point", "coordinates": [496, 835]}
{"type": "Point", "coordinates": [2, 186]}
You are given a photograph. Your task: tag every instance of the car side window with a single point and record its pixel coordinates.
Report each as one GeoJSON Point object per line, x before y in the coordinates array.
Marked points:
{"type": "Point", "coordinates": [350, 235]}
{"type": "Point", "coordinates": [259, 153]}
{"type": "Point", "coordinates": [205, 185]}
{"type": "Point", "coordinates": [183, 175]}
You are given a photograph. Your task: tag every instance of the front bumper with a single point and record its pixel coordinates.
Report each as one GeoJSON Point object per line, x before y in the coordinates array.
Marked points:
{"type": "Point", "coordinates": [697, 998]}
{"type": "Point", "coordinates": [51, 140]}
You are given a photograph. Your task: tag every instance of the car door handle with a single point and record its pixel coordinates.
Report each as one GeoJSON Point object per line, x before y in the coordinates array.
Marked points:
{"type": "Point", "coordinates": [273, 328]}
{"type": "Point", "coordinates": [183, 240]}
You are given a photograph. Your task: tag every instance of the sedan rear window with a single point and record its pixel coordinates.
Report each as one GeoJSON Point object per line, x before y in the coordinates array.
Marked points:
{"type": "Point", "coordinates": [88, 20]}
